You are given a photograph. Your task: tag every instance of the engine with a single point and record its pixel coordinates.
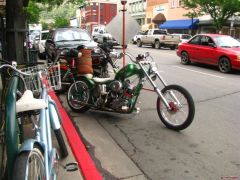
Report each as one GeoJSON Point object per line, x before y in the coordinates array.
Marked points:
{"type": "Point", "coordinates": [120, 95]}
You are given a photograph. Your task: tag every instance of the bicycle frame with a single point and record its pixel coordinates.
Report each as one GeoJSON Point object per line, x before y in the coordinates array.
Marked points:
{"type": "Point", "coordinates": [49, 118]}
{"type": "Point", "coordinates": [11, 128]}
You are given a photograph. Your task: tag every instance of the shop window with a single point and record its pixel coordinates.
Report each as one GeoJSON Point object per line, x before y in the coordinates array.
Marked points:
{"type": "Point", "coordinates": [149, 20]}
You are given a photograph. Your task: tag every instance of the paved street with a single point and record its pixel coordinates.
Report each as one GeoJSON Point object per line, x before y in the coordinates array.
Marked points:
{"type": "Point", "coordinates": [208, 149]}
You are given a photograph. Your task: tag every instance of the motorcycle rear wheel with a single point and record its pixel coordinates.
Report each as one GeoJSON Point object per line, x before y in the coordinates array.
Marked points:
{"type": "Point", "coordinates": [179, 117]}
{"type": "Point", "coordinates": [78, 93]}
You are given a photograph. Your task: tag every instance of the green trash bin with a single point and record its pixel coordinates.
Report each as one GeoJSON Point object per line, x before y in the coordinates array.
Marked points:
{"type": "Point", "coordinates": [31, 56]}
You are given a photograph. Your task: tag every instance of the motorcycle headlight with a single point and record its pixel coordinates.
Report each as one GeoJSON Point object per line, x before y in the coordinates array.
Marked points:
{"type": "Point", "coordinates": [79, 54]}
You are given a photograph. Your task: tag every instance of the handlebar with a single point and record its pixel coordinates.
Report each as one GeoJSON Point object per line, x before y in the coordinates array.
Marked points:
{"type": "Point", "coordinates": [139, 57]}
{"type": "Point", "coordinates": [14, 68]}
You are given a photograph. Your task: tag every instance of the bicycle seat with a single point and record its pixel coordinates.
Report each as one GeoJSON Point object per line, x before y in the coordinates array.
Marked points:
{"type": "Point", "coordinates": [27, 102]}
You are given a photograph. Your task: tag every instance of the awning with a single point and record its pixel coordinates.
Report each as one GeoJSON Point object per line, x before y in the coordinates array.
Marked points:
{"type": "Point", "coordinates": [180, 24]}
{"type": "Point", "coordinates": [159, 19]}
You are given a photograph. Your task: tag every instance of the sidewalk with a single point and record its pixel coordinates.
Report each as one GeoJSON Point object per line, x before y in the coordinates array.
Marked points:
{"type": "Point", "coordinates": [110, 159]}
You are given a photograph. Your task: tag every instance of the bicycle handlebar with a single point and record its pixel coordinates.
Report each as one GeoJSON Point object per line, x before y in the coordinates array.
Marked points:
{"type": "Point", "coordinates": [15, 69]}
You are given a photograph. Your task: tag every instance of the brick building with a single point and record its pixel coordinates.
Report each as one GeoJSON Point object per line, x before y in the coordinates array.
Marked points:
{"type": "Point", "coordinates": [97, 13]}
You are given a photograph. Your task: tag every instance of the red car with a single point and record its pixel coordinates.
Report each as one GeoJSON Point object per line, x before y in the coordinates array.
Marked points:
{"type": "Point", "coordinates": [215, 49]}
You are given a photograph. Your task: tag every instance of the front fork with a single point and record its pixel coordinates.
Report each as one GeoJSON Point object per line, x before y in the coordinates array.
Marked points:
{"type": "Point", "coordinates": [158, 91]}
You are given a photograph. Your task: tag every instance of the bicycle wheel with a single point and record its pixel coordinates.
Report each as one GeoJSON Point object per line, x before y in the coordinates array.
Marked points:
{"type": "Point", "coordinates": [29, 165]}
{"type": "Point", "coordinates": [61, 143]}
{"type": "Point", "coordinates": [180, 116]}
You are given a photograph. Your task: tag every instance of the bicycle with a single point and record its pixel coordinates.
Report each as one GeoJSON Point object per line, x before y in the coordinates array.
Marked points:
{"type": "Point", "coordinates": [38, 150]}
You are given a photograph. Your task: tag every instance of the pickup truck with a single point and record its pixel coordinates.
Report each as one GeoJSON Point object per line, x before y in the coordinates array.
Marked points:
{"type": "Point", "coordinates": [158, 38]}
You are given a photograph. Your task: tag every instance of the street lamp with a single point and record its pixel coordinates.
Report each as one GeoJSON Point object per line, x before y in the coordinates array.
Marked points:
{"type": "Point", "coordinates": [124, 2]}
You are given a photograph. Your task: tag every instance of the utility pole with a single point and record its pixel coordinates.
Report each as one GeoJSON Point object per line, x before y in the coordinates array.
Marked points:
{"type": "Point", "coordinates": [124, 2]}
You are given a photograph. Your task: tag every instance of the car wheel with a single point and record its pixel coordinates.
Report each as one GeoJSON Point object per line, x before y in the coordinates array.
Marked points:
{"type": "Point", "coordinates": [173, 47]}
{"type": "Point", "coordinates": [185, 58]}
{"type": "Point", "coordinates": [224, 65]}
{"type": "Point", "coordinates": [139, 43]}
{"type": "Point", "coordinates": [157, 44]}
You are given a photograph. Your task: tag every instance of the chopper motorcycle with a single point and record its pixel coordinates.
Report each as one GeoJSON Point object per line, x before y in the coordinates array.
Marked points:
{"type": "Point", "coordinates": [175, 105]}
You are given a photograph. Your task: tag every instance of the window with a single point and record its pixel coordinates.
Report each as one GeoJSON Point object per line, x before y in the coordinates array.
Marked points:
{"type": "Point", "coordinates": [205, 40]}
{"type": "Point", "coordinates": [94, 18]}
{"type": "Point", "coordinates": [175, 3]}
{"type": "Point", "coordinates": [149, 20]}
{"type": "Point", "coordinates": [94, 6]}
{"type": "Point", "coordinates": [113, 7]}
{"type": "Point", "coordinates": [180, 3]}
{"type": "Point", "coordinates": [159, 32]}
{"type": "Point", "coordinates": [195, 40]}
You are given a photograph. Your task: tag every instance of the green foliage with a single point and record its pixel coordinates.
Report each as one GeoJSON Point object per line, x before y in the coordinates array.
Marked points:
{"type": "Point", "coordinates": [219, 10]}
{"type": "Point", "coordinates": [61, 22]}
{"type": "Point", "coordinates": [59, 15]}
{"type": "Point", "coordinates": [42, 10]}
{"type": "Point", "coordinates": [58, 2]}
{"type": "Point", "coordinates": [32, 12]}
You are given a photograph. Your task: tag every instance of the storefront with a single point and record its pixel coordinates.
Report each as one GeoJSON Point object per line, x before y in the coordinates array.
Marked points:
{"type": "Point", "coordinates": [183, 26]}
{"type": "Point", "coordinates": [230, 28]}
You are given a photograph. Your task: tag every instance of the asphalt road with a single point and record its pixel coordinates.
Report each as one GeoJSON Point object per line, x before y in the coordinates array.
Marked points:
{"type": "Point", "coordinates": [208, 149]}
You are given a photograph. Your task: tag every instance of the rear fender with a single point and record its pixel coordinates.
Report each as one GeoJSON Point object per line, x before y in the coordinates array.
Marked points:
{"type": "Point", "coordinates": [29, 144]}
{"type": "Point", "coordinates": [87, 80]}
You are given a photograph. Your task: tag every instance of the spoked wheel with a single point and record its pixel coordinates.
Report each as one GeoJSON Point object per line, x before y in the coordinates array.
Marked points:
{"type": "Point", "coordinates": [224, 65]}
{"type": "Point", "coordinates": [29, 165]}
{"type": "Point", "coordinates": [181, 113]}
{"type": "Point", "coordinates": [78, 95]}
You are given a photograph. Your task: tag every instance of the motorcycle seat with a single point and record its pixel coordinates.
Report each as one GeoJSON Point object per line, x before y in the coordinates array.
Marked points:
{"type": "Point", "coordinates": [100, 80]}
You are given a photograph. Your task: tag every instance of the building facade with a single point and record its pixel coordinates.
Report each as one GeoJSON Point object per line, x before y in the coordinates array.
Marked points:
{"type": "Point", "coordinates": [137, 10]}
{"type": "Point", "coordinates": [97, 13]}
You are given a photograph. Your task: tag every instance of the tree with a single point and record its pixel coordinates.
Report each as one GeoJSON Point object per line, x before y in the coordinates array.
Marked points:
{"type": "Point", "coordinates": [59, 16]}
{"type": "Point", "coordinates": [219, 10]}
{"type": "Point", "coordinates": [16, 26]}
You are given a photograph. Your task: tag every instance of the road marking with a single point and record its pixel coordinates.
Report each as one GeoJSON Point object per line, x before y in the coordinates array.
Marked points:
{"type": "Point", "coordinates": [207, 74]}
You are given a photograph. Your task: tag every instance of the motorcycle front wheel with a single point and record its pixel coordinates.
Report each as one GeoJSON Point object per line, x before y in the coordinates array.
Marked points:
{"type": "Point", "coordinates": [78, 95]}
{"type": "Point", "coordinates": [181, 113]}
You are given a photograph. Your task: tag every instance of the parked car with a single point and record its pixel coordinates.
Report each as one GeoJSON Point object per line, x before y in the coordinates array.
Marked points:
{"type": "Point", "coordinates": [214, 49]}
{"type": "Point", "coordinates": [69, 37]}
{"type": "Point", "coordinates": [183, 37]}
{"type": "Point", "coordinates": [41, 44]}
{"type": "Point", "coordinates": [158, 38]}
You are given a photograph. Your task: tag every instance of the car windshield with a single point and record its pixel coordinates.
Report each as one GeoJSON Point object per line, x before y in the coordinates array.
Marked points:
{"type": "Point", "coordinates": [72, 35]}
{"type": "Point", "coordinates": [226, 41]}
